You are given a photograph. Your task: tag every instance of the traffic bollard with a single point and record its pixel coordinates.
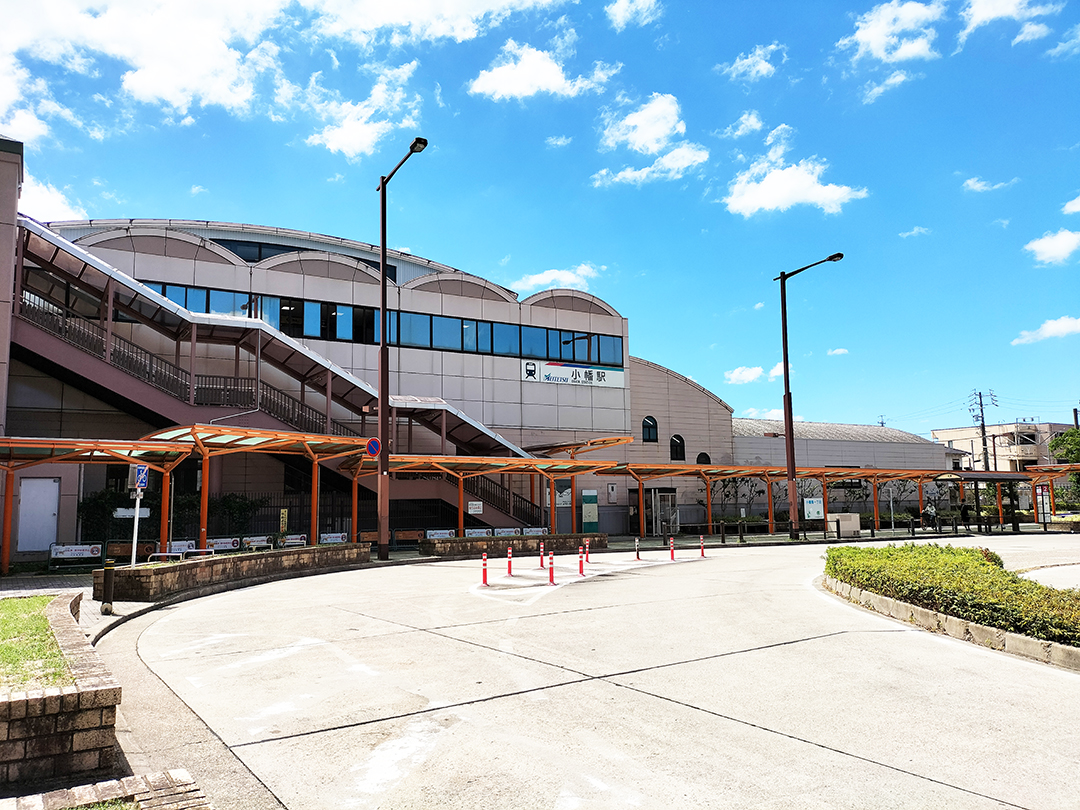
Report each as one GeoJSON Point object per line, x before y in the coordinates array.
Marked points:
{"type": "Point", "coordinates": [586, 549]}
{"type": "Point", "coordinates": [580, 561]}
{"type": "Point", "coordinates": [702, 538]}
{"type": "Point", "coordinates": [108, 582]}
{"type": "Point", "coordinates": [637, 549]}
{"type": "Point", "coordinates": [671, 543]}
{"type": "Point", "coordinates": [485, 569]}
{"type": "Point", "coordinates": [541, 553]}
{"type": "Point", "coordinates": [551, 568]}
{"type": "Point", "coordinates": [509, 561]}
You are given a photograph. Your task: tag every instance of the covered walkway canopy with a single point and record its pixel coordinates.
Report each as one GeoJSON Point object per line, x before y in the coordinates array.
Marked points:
{"type": "Point", "coordinates": [164, 449]}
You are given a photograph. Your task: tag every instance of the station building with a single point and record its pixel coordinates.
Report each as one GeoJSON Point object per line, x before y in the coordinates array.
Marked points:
{"type": "Point", "coordinates": [117, 328]}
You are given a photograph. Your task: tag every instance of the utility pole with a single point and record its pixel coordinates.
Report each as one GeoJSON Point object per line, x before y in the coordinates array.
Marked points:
{"type": "Point", "coordinates": [979, 414]}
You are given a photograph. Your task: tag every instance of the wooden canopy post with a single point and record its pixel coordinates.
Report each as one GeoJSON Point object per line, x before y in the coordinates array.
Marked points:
{"type": "Point", "coordinates": [573, 507]}
{"type": "Point", "coordinates": [554, 510]}
{"type": "Point", "coordinates": [641, 508]}
{"type": "Point", "coordinates": [164, 531]}
{"type": "Point", "coordinates": [769, 497]}
{"type": "Point", "coordinates": [874, 495]}
{"type": "Point", "coordinates": [1053, 503]}
{"type": "Point", "coordinates": [204, 497]}
{"type": "Point", "coordinates": [355, 526]}
{"type": "Point", "coordinates": [461, 505]}
{"type": "Point", "coordinates": [825, 502]}
{"type": "Point", "coordinates": [5, 542]}
{"type": "Point", "coordinates": [708, 504]}
{"type": "Point", "coordinates": [313, 536]}
{"type": "Point", "coordinates": [1001, 512]}
{"type": "Point", "coordinates": [920, 497]}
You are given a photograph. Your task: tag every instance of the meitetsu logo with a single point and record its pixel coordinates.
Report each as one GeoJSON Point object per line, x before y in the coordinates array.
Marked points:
{"type": "Point", "coordinates": [558, 378]}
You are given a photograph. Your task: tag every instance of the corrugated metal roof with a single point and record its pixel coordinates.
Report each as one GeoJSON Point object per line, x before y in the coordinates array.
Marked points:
{"type": "Point", "coordinates": [827, 431]}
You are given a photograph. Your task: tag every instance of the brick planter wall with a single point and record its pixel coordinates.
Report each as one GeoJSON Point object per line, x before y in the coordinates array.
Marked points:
{"type": "Point", "coordinates": [61, 730]}
{"type": "Point", "coordinates": [494, 546]}
{"type": "Point", "coordinates": [154, 583]}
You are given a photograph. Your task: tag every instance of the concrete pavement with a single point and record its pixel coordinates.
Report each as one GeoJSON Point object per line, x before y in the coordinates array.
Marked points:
{"type": "Point", "coordinates": [726, 682]}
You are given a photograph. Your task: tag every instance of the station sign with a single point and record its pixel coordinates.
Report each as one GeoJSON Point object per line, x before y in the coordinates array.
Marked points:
{"type": "Point", "coordinates": [546, 371]}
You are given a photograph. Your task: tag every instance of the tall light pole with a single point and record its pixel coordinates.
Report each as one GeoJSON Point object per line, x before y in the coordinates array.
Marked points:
{"type": "Point", "coordinates": [789, 420]}
{"type": "Point", "coordinates": [418, 145]}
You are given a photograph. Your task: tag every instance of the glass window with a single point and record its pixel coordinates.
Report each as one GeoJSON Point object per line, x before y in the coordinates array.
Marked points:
{"type": "Point", "coordinates": [678, 448]}
{"type": "Point", "coordinates": [270, 310]}
{"type": "Point", "coordinates": [594, 348]}
{"type": "Point", "coordinates": [222, 303]}
{"type": "Point", "coordinates": [176, 294]}
{"type": "Point", "coordinates": [649, 432]}
{"type": "Point", "coordinates": [505, 339]}
{"type": "Point", "coordinates": [468, 336]}
{"type": "Point", "coordinates": [196, 299]}
{"type": "Point", "coordinates": [343, 322]}
{"type": "Point", "coordinates": [533, 342]}
{"type": "Point", "coordinates": [703, 458]}
{"type": "Point", "coordinates": [566, 346]}
{"type": "Point", "coordinates": [415, 329]}
{"type": "Point", "coordinates": [483, 337]}
{"type": "Point", "coordinates": [154, 286]}
{"type": "Point", "coordinates": [392, 330]}
{"type": "Point", "coordinates": [554, 344]}
{"type": "Point", "coordinates": [292, 317]}
{"type": "Point", "coordinates": [581, 347]}
{"type": "Point", "coordinates": [312, 319]}
{"type": "Point", "coordinates": [611, 350]}
{"type": "Point", "coordinates": [364, 320]}
{"type": "Point", "coordinates": [446, 333]}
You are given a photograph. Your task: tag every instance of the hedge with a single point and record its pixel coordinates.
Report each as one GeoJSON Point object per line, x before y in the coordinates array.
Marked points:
{"type": "Point", "coordinates": [968, 583]}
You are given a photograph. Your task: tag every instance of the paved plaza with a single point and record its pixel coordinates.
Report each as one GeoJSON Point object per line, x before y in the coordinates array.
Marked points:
{"type": "Point", "coordinates": [732, 681]}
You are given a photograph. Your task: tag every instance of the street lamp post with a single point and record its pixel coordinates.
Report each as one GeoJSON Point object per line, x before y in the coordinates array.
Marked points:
{"type": "Point", "coordinates": [789, 420]}
{"type": "Point", "coordinates": [418, 145]}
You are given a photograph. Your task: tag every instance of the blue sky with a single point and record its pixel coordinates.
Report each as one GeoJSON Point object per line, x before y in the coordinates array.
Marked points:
{"type": "Point", "coordinates": [670, 157]}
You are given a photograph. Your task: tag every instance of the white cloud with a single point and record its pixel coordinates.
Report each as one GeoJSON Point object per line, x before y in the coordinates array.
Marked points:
{"type": "Point", "coordinates": [1072, 207]}
{"type": "Point", "coordinates": [197, 190]}
{"type": "Point", "coordinates": [743, 375]}
{"type": "Point", "coordinates": [755, 65]}
{"type": "Point", "coordinates": [977, 13]}
{"type": "Point", "coordinates": [1004, 223]}
{"type": "Point", "coordinates": [633, 12]}
{"type": "Point", "coordinates": [918, 230]}
{"type": "Point", "coordinates": [521, 71]}
{"type": "Point", "coordinates": [45, 202]}
{"type": "Point", "coordinates": [896, 31]}
{"type": "Point", "coordinates": [872, 92]}
{"type": "Point", "coordinates": [356, 128]}
{"type": "Point", "coordinates": [1031, 32]}
{"type": "Point", "coordinates": [337, 178]}
{"type": "Point", "coordinates": [25, 126]}
{"type": "Point", "coordinates": [669, 166]}
{"type": "Point", "coordinates": [772, 184]}
{"type": "Point", "coordinates": [761, 413]}
{"type": "Point", "coordinates": [777, 371]}
{"type": "Point", "coordinates": [1054, 248]}
{"type": "Point", "coordinates": [647, 129]}
{"type": "Point", "coordinates": [505, 260]}
{"type": "Point", "coordinates": [558, 141]}
{"type": "Point", "coordinates": [979, 185]}
{"type": "Point", "coordinates": [834, 352]}
{"type": "Point", "coordinates": [1057, 328]}
{"type": "Point", "coordinates": [1070, 46]}
{"type": "Point", "coordinates": [759, 305]}
{"type": "Point", "coordinates": [748, 122]}
{"type": "Point", "coordinates": [576, 278]}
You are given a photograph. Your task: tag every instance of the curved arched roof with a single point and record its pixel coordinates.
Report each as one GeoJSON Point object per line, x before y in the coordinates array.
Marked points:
{"type": "Point", "coordinates": [573, 300]}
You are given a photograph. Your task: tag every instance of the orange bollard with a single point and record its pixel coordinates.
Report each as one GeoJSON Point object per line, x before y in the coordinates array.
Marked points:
{"type": "Point", "coordinates": [551, 568]}
{"type": "Point", "coordinates": [509, 561]}
{"type": "Point", "coordinates": [702, 538]}
{"type": "Point", "coordinates": [580, 561]}
{"type": "Point", "coordinates": [485, 569]}
{"type": "Point", "coordinates": [586, 549]}
{"type": "Point", "coordinates": [541, 553]}
{"type": "Point", "coordinates": [671, 542]}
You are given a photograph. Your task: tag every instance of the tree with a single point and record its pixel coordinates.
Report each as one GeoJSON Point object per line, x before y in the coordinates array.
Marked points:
{"type": "Point", "coordinates": [1065, 449]}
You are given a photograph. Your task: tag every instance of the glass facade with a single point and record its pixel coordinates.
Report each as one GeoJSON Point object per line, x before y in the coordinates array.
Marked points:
{"type": "Point", "coordinates": [326, 321]}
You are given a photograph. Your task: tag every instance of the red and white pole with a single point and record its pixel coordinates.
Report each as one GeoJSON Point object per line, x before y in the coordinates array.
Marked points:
{"type": "Point", "coordinates": [580, 561]}
{"type": "Point", "coordinates": [586, 549]}
{"type": "Point", "coordinates": [551, 568]}
{"type": "Point", "coordinates": [702, 538]}
{"type": "Point", "coordinates": [671, 543]}
{"type": "Point", "coordinates": [509, 561]}
{"type": "Point", "coordinates": [637, 549]}
{"type": "Point", "coordinates": [541, 553]}
{"type": "Point", "coordinates": [485, 569]}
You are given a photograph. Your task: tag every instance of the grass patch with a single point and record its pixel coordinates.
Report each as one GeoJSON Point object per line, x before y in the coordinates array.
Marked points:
{"type": "Point", "coordinates": [30, 658]}
{"type": "Point", "coordinates": [968, 583]}
{"type": "Point", "coordinates": [111, 804]}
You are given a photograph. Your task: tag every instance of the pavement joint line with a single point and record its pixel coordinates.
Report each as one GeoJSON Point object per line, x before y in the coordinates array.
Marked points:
{"type": "Point", "coordinates": [586, 678]}
{"type": "Point", "coordinates": [825, 747]}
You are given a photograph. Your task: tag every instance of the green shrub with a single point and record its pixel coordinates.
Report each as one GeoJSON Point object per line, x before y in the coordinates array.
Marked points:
{"type": "Point", "coordinates": [968, 583]}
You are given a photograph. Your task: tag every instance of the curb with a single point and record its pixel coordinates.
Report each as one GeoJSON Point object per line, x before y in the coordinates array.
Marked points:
{"type": "Point", "coordinates": [1045, 652]}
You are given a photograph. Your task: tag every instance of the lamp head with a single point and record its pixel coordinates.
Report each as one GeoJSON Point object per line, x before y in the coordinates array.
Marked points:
{"type": "Point", "coordinates": [418, 145]}
{"type": "Point", "coordinates": [834, 258]}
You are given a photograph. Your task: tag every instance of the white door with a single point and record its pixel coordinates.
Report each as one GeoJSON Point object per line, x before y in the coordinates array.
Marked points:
{"type": "Point", "coordinates": [39, 502]}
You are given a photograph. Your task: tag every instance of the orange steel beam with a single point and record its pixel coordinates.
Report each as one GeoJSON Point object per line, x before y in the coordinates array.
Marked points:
{"type": "Point", "coordinates": [1001, 512]}
{"type": "Point", "coordinates": [573, 507]}
{"type": "Point", "coordinates": [313, 537]}
{"type": "Point", "coordinates": [5, 543]}
{"type": "Point", "coordinates": [164, 530]}
{"type": "Point", "coordinates": [874, 495]}
{"type": "Point", "coordinates": [204, 500]}
{"type": "Point", "coordinates": [355, 510]}
{"type": "Point", "coordinates": [461, 506]}
{"type": "Point", "coordinates": [554, 509]}
{"type": "Point", "coordinates": [708, 505]}
{"type": "Point", "coordinates": [772, 514]}
{"type": "Point", "coordinates": [641, 508]}
{"type": "Point", "coordinates": [920, 498]}
{"type": "Point", "coordinates": [825, 503]}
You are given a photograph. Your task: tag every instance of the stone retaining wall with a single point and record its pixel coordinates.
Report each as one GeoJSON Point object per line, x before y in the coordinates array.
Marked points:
{"type": "Point", "coordinates": [157, 582]}
{"type": "Point", "coordinates": [61, 730]}
{"type": "Point", "coordinates": [169, 790]}
{"type": "Point", "coordinates": [522, 544]}
{"type": "Point", "coordinates": [1047, 652]}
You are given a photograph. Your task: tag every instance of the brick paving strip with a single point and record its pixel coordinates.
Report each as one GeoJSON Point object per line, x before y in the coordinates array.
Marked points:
{"type": "Point", "coordinates": [169, 790]}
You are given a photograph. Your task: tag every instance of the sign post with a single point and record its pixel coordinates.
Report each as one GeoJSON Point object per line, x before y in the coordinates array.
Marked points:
{"type": "Point", "coordinates": [142, 478]}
